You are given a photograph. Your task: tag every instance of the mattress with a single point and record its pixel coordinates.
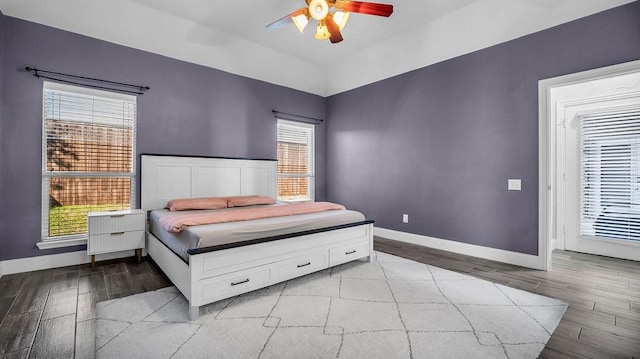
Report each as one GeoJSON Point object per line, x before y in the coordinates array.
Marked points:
{"type": "Point", "coordinates": [211, 235]}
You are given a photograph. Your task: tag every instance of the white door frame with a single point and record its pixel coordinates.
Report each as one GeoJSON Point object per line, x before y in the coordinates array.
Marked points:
{"type": "Point", "coordinates": [550, 208]}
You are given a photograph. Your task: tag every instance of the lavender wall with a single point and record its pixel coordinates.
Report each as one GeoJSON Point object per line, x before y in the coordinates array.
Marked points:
{"type": "Point", "coordinates": [439, 143]}
{"type": "Point", "coordinates": [190, 109]}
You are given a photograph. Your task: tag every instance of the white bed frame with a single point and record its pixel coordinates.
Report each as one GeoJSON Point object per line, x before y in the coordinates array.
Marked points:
{"type": "Point", "coordinates": [216, 275]}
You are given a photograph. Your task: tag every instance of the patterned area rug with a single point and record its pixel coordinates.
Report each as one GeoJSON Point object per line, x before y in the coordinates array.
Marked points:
{"type": "Point", "coordinates": [392, 308]}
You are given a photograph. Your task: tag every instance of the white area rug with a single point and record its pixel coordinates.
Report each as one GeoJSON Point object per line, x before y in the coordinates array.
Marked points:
{"type": "Point", "coordinates": [393, 308]}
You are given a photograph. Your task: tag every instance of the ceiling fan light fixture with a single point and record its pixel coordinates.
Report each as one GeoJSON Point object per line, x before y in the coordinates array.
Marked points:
{"type": "Point", "coordinates": [330, 23]}
{"type": "Point", "coordinates": [318, 9]}
{"type": "Point", "coordinates": [322, 33]}
{"type": "Point", "coordinates": [301, 21]}
{"type": "Point", "coordinates": [341, 18]}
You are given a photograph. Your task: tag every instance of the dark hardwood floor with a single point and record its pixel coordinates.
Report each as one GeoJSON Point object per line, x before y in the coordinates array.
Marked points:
{"type": "Point", "coordinates": [49, 314]}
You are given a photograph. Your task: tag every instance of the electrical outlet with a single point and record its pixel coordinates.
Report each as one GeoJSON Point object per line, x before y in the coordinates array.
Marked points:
{"type": "Point", "coordinates": [405, 218]}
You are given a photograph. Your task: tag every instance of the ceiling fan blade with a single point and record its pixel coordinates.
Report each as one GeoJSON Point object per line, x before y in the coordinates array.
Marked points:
{"type": "Point", "coordinates": [369, 8]}
{"type": "Point", "coordinates": [334, 30]}
{"type": "Point", "coordinates": [285, 20]}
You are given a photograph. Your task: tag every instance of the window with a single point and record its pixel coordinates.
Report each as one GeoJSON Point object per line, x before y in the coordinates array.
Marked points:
{"type": "Point", "coordinates": [610, 169]}
{"type": "Point", "coordinates": [296, 152]}
{"type": "Point", "coordinates": [88, 163]}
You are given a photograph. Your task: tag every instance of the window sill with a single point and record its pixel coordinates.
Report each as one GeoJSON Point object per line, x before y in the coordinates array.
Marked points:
{"type": "Point", "coordinates": [295, 200]}
{"type": "Point", "coordinates": [61, 243]}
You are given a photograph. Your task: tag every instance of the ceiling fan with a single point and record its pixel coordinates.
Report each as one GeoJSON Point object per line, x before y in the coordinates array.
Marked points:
{"type": "Point", "coordinates": [330, 23]}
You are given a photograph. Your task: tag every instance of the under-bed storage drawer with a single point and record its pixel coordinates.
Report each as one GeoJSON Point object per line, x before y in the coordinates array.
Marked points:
{"type": "Point", "coordinates": [302, 265]}
{"type": "Point", "coordinates": [348, 252]}
{"type": "Point", "coordinates": [225, 286]}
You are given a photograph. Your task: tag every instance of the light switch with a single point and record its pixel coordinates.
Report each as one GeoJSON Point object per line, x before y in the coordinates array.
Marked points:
{"type": "Point", "coordinates": [514, 184]}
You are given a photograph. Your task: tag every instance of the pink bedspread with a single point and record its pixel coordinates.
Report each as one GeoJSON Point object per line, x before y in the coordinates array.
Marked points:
{"type": "Point", "coordinates": [177, 221]}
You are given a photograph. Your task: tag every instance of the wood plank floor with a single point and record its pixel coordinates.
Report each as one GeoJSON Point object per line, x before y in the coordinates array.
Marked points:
{"type": "Point", "coordinates": [49, 314]}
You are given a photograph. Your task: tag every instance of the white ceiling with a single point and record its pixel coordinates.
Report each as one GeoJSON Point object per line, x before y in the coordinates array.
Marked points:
{"type": "Point", "coordinates": [230, 35]}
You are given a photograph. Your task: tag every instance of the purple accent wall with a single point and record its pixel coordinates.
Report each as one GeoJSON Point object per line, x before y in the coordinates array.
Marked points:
{"type": "Point", "coordinates": [190, 109]}
{"type": "Point", "coordinates": [439, 143]}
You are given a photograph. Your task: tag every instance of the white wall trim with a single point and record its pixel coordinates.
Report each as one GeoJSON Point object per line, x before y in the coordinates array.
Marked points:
{"type": "Point", "coordinates": [30, 264]}
{"type": "Point", "coordinates": [498, 255]}
{"type": "Point", "coordinates": [80, 257]}
{"type": "Point", "coordinates": [60, 243]}
{"type": "Point", "coordinates": [546, 141]}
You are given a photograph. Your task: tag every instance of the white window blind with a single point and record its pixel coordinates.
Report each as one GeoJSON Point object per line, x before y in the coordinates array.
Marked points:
{"type": "Point", "coordinates": [88, 157]}
{"type": "Point", "coordinates": [296, 153]}
{"type": "Point", "coordinates": [610, 170]}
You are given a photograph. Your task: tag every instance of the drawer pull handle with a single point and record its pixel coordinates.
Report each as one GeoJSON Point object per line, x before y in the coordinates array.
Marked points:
{"type": "Point", "coordinates": [117, 215]}
{"type": "Point", "coordinates": [117, 233]}
{"type": "Point", "coordinates": [244, 281]}
{"type": "Point", "coordinates": [347, 253]}
{"type": "Point", "coordinates": [304, 265]}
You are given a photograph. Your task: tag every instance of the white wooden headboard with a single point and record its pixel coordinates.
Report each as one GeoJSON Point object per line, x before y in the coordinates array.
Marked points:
{"type": "Point", "coordinates": [164, 178]}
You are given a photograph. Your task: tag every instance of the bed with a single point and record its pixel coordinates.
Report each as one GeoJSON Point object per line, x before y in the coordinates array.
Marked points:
{"type": "Point", "coordinates": [242, 258]}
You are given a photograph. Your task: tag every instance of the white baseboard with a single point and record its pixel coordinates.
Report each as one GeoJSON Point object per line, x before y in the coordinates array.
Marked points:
{"type": "Point", "coordinates": [498, 255]}
{"type": "Point", "coordinates": [30, 264]}
{"type": "Point", "coordinates": [80, 257]}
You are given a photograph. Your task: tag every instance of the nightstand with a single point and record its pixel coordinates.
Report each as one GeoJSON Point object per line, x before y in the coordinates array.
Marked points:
{"type": "Point", "coordinates": [114, 231]}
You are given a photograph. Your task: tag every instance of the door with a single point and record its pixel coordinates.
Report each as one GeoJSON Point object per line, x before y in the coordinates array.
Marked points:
{"type": "Point", "coordinates": [602, 175]}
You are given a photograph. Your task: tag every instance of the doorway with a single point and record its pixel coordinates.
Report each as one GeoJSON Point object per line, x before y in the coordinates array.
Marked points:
{"type": "Point", "coordinates": [593, 173]}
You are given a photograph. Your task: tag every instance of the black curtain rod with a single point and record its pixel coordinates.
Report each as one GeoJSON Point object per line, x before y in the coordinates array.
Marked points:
{"type": "Point", "coordinates": [296, 117]}
{"type": "Point", "coordinates": [139, 89]}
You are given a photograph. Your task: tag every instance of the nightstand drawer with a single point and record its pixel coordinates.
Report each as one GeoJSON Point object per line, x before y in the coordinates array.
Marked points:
{"type": "Point", "coordinates": [115, 241]}
{"type": "Point", "coordinates": [116, 223]}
